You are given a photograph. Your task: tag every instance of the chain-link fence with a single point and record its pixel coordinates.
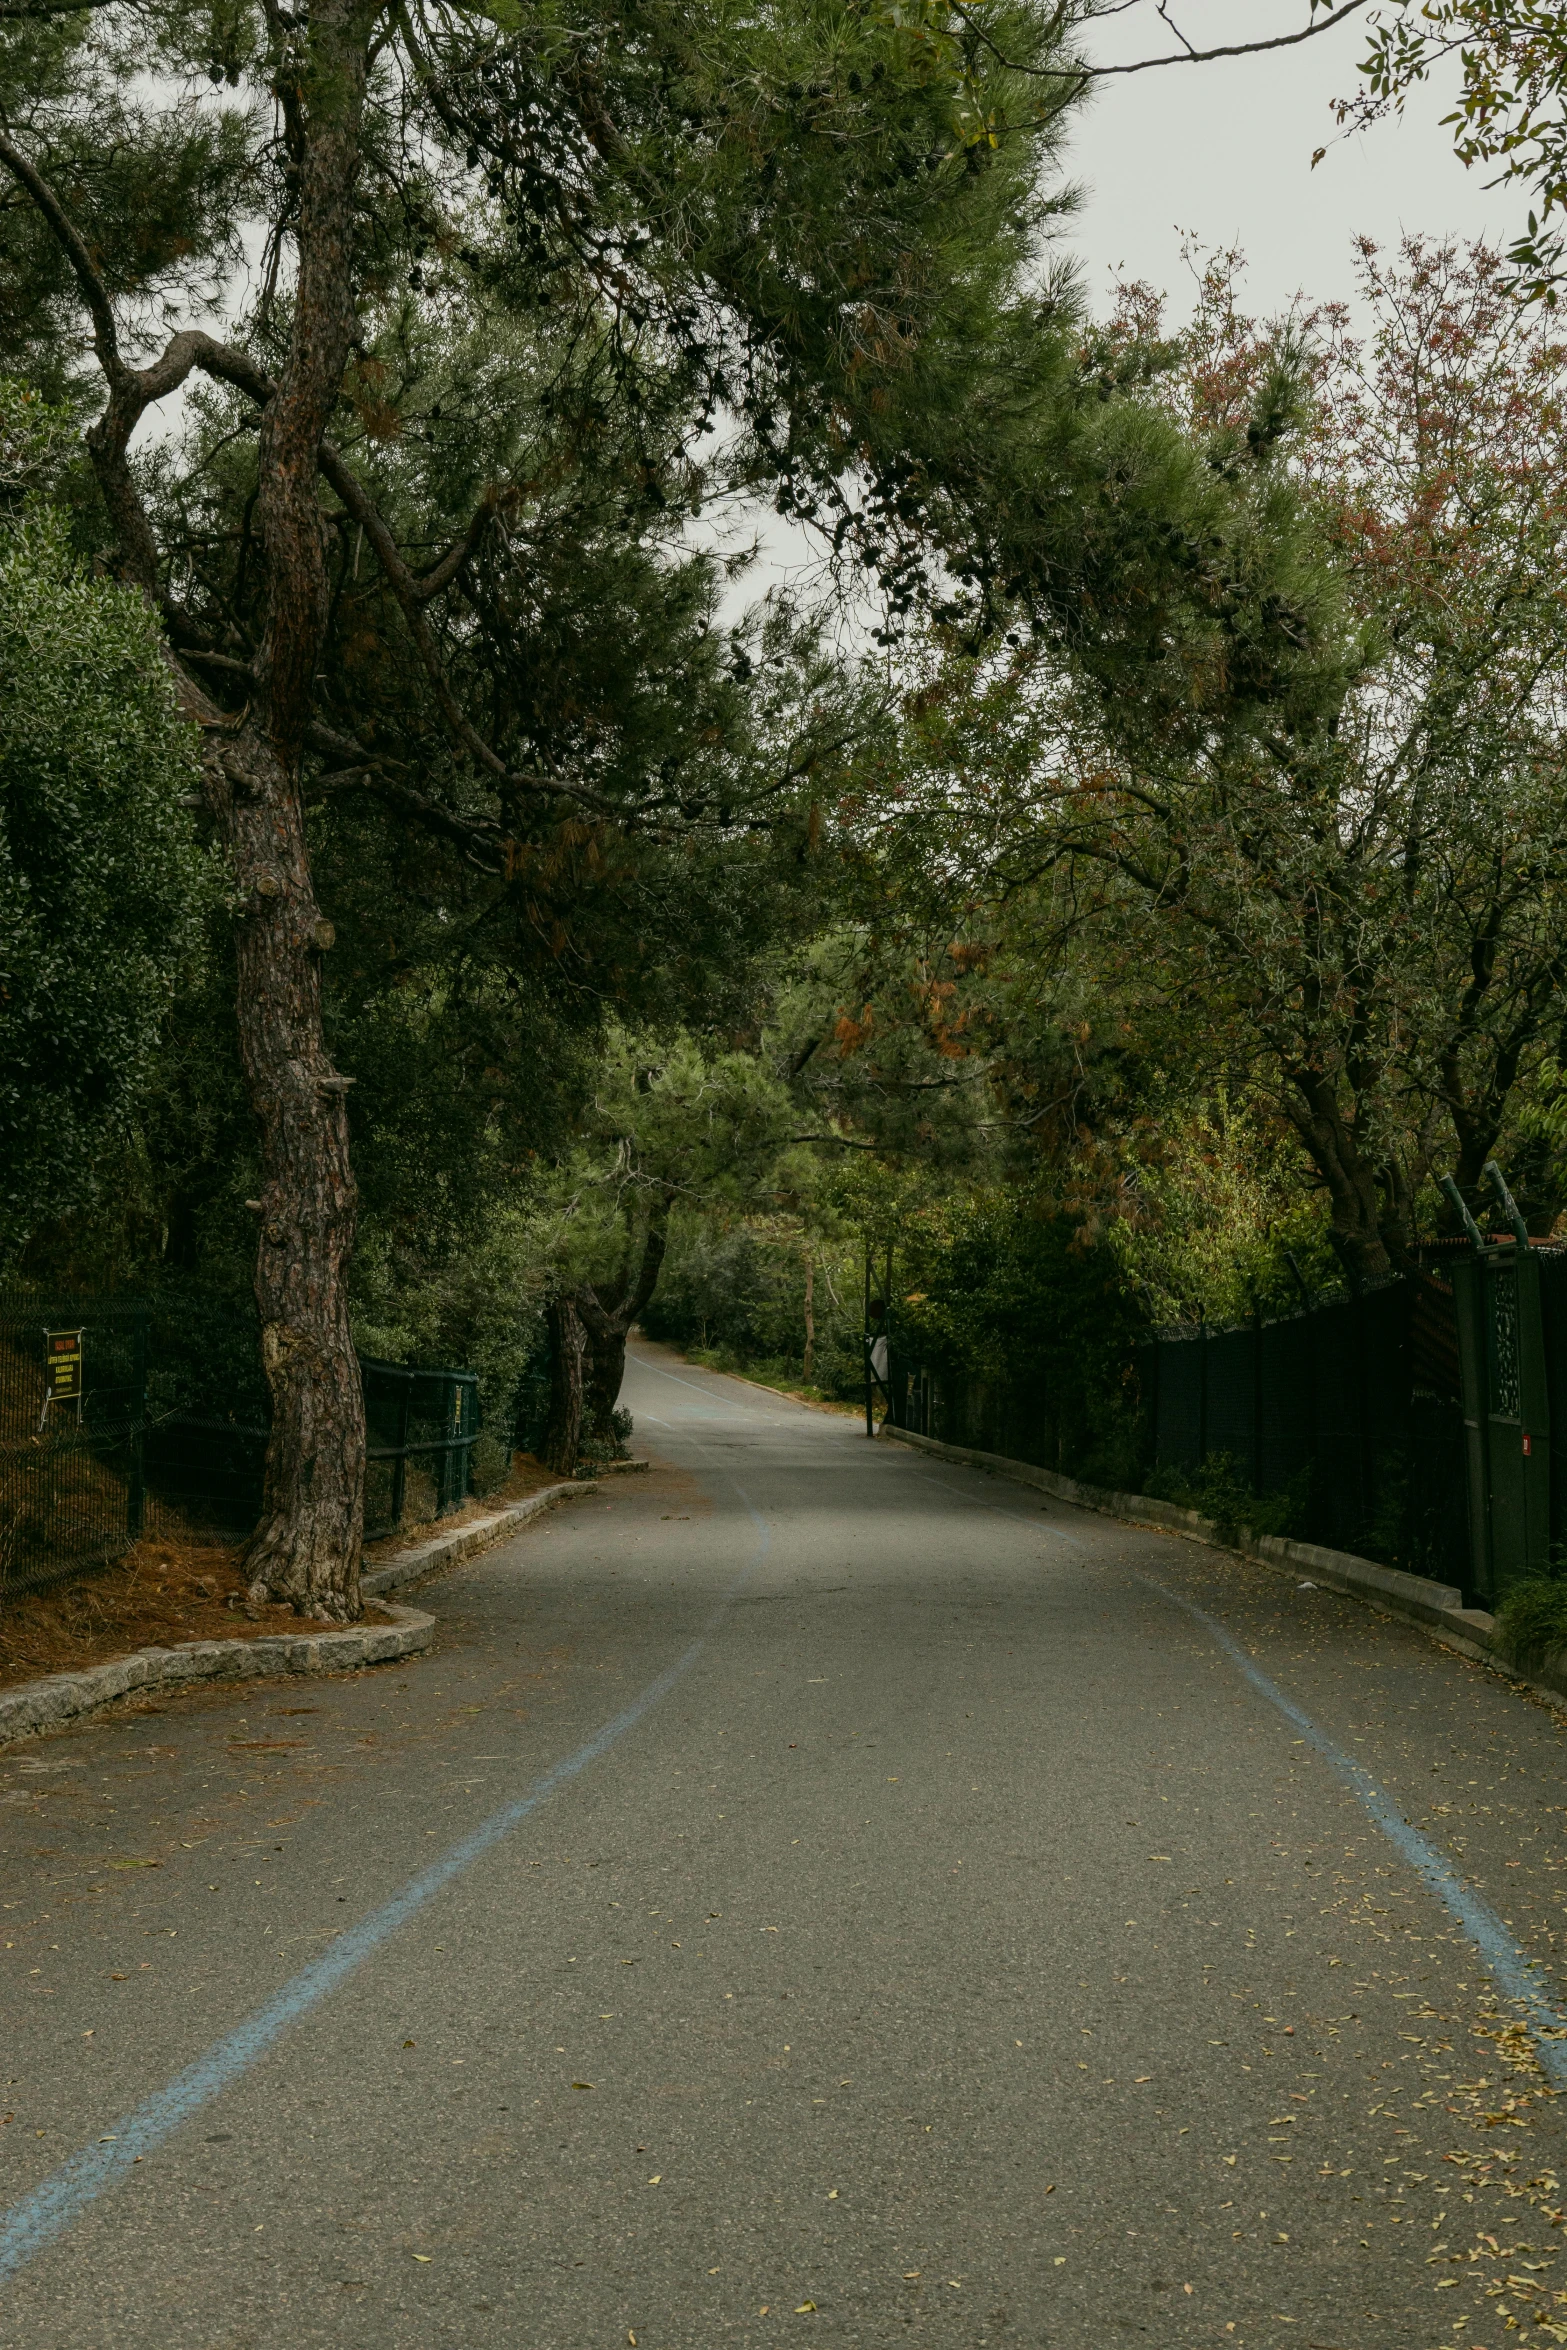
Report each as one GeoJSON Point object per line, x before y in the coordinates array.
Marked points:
{"type": "Point", "coordinates": [128, 1416]}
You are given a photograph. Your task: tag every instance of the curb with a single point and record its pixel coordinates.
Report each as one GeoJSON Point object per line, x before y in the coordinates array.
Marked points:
{"type": "Point", "coordinates": [1437, 1608]}
{"type": "Point", "coordinates": [444, 1550]}
{"type": "Point", "coordinates": [62, 1697]}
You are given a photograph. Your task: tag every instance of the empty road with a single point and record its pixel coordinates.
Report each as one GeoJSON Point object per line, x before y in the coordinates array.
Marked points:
{"type": "Point", "coordinates": [812, 1894]}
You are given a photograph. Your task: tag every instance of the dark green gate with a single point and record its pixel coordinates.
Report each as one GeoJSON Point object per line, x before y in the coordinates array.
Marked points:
{"type": "Point", "coordinates": [1506, 1394]}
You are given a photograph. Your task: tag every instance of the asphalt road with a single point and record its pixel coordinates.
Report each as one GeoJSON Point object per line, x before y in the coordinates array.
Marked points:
{"type": "Point", "coordinates": [932, 1935]}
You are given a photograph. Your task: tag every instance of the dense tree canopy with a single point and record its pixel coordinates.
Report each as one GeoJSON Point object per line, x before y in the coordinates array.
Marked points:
{"type": "Point", "coordinates": [103, 884]}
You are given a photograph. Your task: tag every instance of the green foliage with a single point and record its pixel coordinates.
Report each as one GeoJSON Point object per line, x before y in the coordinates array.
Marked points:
{"type": "Point", "coordinates": [1218, 1223]}
{"type": "Point", "coordinates": [734, 1292]}
{"type": "Point", "coordinates": [474, 1304]}
{"type": "Point", "coordinates": [1002, 1287]}
{"type": "Point", "coordinates": [1219, 1490]}
{"type": "Point", "coordinates": [103, 886]}
{"type": "Point", "coordinates": [1531, 1622]}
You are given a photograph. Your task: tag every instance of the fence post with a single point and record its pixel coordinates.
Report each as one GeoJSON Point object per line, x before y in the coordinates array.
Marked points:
{"type": "Point", "coordinates": [136, 1482]}
{"type": "Point", "coordinates": [400, 1462]}
{"type": "Point", "coordinates": [1256, 1392]}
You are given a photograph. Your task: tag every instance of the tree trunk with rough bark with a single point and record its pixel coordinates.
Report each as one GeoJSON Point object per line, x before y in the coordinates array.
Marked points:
{"type": "Point", "coordinates": [808, 1364]}
{"type": "Point", "coordinates": [605, 1374]}
{"type": "Point", "coordinates": [306, 1549]}
{"type": "Point", "coordinates": [568, 1346]}
{"type": "Point", "coordinates": [606, 1328]}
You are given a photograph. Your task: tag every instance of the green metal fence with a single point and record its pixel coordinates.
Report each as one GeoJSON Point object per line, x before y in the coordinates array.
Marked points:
{"type": "Point", "coordinates": [148, 1415]}
{"type": "Point", "coordinates": [1348, 1411]}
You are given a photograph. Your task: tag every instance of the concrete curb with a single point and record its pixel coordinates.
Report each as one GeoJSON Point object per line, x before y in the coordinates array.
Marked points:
{"type": "Point", "coordinates": [445, 1550]}
{"type": "Point", "coordinates": [1435, 1607]}
{"type": "Point", "coordinates": [62, 1697]}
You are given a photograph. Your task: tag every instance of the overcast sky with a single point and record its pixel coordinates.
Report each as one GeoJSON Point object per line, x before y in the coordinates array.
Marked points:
{"type": "Point", "coordinates": [1224, 150]}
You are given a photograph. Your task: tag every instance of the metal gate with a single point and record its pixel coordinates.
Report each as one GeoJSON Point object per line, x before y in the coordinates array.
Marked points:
{"type": "Point", "coordinates": [1506, 1393]}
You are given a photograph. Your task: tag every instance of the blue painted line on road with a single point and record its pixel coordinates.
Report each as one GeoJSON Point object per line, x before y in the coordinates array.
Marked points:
{"type": "Point", "coordinates": [51, 2208]}
{"type": "Point", "coordinates": [1512, 1972]}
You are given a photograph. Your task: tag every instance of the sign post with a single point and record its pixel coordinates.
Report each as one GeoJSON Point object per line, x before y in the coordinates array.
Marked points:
{"type": "Point", "coordinates": [62, 1372]}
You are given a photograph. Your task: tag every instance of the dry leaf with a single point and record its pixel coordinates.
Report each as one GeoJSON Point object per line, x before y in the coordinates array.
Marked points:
{"type": "Point", "coordinates": [803, 2308]}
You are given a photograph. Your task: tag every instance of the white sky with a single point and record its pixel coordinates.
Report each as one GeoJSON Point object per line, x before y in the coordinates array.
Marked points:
{"type": "Point", "coordinates": [1224, 150]}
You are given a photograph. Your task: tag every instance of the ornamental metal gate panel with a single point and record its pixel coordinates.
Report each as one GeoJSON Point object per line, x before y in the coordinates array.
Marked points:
{"type": "Point", "coordinates": [1507, 1413]}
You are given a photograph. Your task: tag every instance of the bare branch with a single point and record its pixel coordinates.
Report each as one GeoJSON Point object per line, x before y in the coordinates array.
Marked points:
{"type": "Point", "coordinates": [1081, 73]}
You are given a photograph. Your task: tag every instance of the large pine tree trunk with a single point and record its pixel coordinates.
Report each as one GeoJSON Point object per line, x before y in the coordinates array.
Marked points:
{"type": "Point", "coordinates": [306, 1549]}
{"type": "Point", "coordinates": [601, 1386]}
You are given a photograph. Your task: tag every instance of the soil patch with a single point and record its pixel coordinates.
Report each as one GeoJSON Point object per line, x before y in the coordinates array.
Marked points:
{"type": "Point", "coordinates": [158, 1595]}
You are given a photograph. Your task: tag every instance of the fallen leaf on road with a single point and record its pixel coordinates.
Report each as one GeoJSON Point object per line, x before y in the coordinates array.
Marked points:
{"type": "Point", "coordinates": [424, 2256]}
{"type": "Point", "coordinates": [657, 2179]}
{"type": "Point", "coordinates": [410, 2043]}
{"type": "Point", "coordinates": [582, 2084]}
{"type": "Point", "coordinates": [1230, 2159]}
{"type": "Point", "coordinates": [135, 1864]}
{"type": "Point", "coordinates": [803, 2308]}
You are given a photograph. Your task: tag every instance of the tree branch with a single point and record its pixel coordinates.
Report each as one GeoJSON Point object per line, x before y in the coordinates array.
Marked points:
{"type": "Point", "coordinates": [1188, 56]}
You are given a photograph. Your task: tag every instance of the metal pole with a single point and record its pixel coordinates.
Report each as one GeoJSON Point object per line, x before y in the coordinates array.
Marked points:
{"type": "Point", "coordinates": [865, 1344]}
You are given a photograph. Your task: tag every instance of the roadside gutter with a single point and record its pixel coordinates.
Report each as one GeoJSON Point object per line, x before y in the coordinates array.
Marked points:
{"type": "Point", "coordinates": [1437, 1607]}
